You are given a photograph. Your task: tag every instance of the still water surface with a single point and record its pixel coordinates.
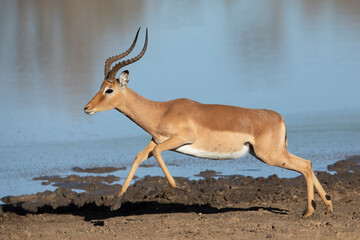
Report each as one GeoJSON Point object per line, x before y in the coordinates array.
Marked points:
{"type": "Point", "coordinates": [300, 58]}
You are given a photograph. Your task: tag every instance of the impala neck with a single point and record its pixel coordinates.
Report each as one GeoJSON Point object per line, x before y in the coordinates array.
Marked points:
{"type": "Point", "coordinates": [144, 112]}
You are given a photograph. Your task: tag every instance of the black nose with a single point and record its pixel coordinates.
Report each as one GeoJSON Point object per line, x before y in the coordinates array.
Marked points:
{"type": "Point", "coordinates": [85, 108]}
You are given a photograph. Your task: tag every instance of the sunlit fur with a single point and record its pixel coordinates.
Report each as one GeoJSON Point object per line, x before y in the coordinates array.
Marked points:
{"type": "Point", "coordinates": [206, 130]}
{"type": "Point", "coordinates": [202, 130]}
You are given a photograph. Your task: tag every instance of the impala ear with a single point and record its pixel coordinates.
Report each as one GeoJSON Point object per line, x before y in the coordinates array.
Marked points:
{"type": "Point", "coordinates": [124, 78]}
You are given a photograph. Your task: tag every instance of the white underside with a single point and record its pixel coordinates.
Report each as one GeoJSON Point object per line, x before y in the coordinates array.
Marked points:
{"type": "Point", "coordinates": [189, 150]}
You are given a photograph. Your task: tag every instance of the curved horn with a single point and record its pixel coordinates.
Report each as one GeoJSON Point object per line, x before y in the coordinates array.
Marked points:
{"type": "Point", "coordinates": [112, 59]}
{"type": "Point", "coordinates": [121, 64]}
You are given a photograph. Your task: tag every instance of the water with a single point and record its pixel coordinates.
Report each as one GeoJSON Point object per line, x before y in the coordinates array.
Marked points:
{"type": "Point", "coordinates": [300, 58]}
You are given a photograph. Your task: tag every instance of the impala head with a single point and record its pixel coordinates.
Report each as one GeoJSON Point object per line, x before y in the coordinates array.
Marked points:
{"type": "Point", "coordinates": [112, 89]}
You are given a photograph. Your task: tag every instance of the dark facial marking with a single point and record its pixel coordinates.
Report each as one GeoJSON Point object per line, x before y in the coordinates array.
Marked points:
{"type": "Point", "coordinates": [327, 197]}
{"type": "Point", "coordinates": [313, 204]}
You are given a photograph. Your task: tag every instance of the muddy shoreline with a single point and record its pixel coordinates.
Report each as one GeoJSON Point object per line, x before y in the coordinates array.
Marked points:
{"type": "Point", "coordinates": [255, 207]}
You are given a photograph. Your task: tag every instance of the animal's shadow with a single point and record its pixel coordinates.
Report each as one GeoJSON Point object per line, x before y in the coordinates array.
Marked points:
{"type": "Point", "coordinates": [96, 214]}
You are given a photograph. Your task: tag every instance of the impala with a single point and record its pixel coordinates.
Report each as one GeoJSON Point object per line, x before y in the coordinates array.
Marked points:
{"type": "Point", "coordinates": [200, 130]}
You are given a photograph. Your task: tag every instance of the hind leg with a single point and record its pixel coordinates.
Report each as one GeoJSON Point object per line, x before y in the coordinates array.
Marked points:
{"type": "Point", "coordinates": [303, 166]}
{"type": "Point", "coordinates": [326, 198]}
{"type": "Point", "coordinates": [289, 161]}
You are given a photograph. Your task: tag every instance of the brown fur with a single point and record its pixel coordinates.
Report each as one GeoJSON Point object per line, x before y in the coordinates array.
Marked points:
{"type": "Point", "coordinates": [206, 127]}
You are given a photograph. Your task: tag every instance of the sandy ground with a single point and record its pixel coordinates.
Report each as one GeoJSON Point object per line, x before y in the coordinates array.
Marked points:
{"type": "Point", "coordinates": [234, 207]}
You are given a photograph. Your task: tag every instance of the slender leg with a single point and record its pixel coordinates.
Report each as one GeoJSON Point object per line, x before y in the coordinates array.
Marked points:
{"type": "Point", "coordinates": [287, 160]}
{"type": "Point", "coordinates": [303, 166]}
{"type": "Point", "coordinates": [326, 198]}
{"type": "Point", "coordinates": [142, 156]}
{"type": "Point", "coordinates": [172, 143]}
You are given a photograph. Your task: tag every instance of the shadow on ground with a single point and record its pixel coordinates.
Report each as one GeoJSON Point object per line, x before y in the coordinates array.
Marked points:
{"type": "Point", "coordinates": [92, 212]}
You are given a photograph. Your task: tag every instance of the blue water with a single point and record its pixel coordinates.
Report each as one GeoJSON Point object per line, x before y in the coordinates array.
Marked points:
{"type": "Point", "coordinates": [300, 58]}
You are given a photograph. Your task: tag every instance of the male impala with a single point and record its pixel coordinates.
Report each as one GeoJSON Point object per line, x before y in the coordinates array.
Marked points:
{"type": "Point", "coordinates": [200, 130]}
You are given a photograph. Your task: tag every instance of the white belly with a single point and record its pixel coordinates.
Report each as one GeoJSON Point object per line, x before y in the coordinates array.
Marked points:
{"type": "Point", "coordinates": [189, 150]}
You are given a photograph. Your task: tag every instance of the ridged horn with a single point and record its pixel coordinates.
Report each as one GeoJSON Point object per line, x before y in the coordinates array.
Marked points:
{"type": "Point", "coordinates": [121, 64]}
{"type": "Point", "coordinates": [112, 59]}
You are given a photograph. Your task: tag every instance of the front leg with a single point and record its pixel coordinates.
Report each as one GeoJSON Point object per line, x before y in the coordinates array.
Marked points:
{"type": "Point", "coordinates": [173, 142]}
{"type": "Point", "coordinates": [142, 156]}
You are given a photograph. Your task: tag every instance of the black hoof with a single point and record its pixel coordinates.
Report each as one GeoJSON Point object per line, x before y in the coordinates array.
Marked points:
{"type": "Point", "coordinates": [116, 204]}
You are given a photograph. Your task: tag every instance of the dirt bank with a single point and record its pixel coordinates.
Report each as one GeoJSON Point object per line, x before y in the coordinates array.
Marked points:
{"type": "Point", "coordinates": [235, 207]}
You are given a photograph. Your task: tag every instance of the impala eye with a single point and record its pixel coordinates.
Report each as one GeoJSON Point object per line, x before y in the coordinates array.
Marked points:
{"type": "Point", "coordinates": [109, 91]}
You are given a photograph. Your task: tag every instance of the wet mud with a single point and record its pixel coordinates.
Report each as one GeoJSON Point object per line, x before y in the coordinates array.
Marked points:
{"type": "Point", "coordinates": [97, 170]}
{"type": "Point", "coordinates": [220, 192]}
{"type": "Point", "coordinates": [210, 195]}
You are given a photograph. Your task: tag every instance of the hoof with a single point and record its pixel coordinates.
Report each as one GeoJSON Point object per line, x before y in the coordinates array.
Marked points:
{"type": "Point", "coordinates": [116, 204]}
{"type": "Point", "coordinates": [308, 213]}
{"type": "Point", "coordinates": [184, 187]}
{"type": "Point", "coordinates": [329, 208]}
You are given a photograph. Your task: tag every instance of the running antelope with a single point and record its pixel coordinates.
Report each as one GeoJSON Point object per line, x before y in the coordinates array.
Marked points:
{"type": "Point", "coordinates": [200, 130]}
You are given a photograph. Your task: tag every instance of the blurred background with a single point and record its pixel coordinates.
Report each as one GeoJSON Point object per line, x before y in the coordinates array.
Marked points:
{"type": "Point", "coordinates": [300, 58]}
